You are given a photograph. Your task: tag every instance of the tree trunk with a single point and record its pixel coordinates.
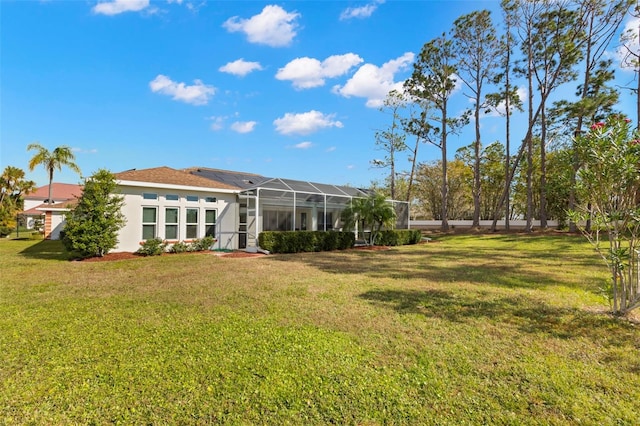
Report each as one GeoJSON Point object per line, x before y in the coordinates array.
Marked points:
{"type": "Point", "coordinates": [445, 178]}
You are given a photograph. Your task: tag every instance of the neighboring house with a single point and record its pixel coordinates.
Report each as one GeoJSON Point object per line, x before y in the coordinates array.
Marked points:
{"type": "Point", "coordinates": [37, 207]}
{"type": "Point", "coordinates": [233, 207]}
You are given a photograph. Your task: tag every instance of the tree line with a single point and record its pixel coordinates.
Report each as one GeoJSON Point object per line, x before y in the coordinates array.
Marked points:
{"type": "Point", "coordinates": [539, 50]}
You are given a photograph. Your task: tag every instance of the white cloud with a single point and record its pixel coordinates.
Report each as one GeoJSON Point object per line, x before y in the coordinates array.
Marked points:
{"type": "Point", "coordinates": [120, 6]}
{"type": "Point", "coordinates": [197, 94]}
{"type": "Point", "coordinates": [85, 151]}
{"type": "Point", "coordinates": [360, 12]}
{"type": "Point", "coordinates": [629, 49]}
{"type": "Point", "coordinates": [303, 145]}
{"type": "Point", "coordinates": [274, 26]}
{"type": "Point", "coordinates": [373, 82]}
{"type": "Point", "coordinates": [243, 126]}
{"type": "Point", "coordinates": [331, 149]}
{"type": "Point", "coordinates": [305, 73]}
{"type": "Point", "coordinates": [218, 122]}
{"type": "Point", "coordinates": [305, 123]}
{"type": "Point", "coordinates": [240, 67]}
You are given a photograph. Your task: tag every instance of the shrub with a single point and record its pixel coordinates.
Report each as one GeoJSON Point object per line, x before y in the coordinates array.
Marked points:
{"type": "Point", "coordinates": [202, 244]}
{"type": "Point", "coordinates": [153, 247]}
{"type": "Point", "coordinates": [179, 247]}
{"type": "Point", "coordinates": [305, 241]}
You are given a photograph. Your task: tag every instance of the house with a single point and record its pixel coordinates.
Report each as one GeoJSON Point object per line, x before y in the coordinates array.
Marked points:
{"type": "Point", "coordinates": [233, 207]}
{"type": "Point", "coordinates": [37, 207]}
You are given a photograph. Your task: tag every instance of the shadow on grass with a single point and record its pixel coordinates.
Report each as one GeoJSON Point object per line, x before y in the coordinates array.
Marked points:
{"type": "Point", "coordinates": [525, 314]}
{"type": "Point", "coordinates": [503, 267]}
{"type": "Point", "coordinates": [46, 250]}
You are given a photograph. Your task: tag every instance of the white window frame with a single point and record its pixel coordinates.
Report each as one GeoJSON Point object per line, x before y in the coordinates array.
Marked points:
{"type": "Point", "coordinates": [175, 224]}
{"type": "Point", "coordinates": [190, 225]}
{"type": "Point", "coordinates": [155, 224]}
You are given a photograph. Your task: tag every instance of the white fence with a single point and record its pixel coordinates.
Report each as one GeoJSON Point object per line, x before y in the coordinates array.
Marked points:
{"type": "Point", "coordinates": [513, 224]}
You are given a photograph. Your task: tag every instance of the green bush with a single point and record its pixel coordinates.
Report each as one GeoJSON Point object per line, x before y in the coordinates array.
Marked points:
{"type": "Point", "coordinates": [399, 237]}
{"type": "Point", "coordinates": [305, 241]}
{"type": "Point", "coordinates": [202, 244]}
{"type": "Point", "coordinates": [153, 247]}
{"type": "Point", "coordinates": [179, 247]}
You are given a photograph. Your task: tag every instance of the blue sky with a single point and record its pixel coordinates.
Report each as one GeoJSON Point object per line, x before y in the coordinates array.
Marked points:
{"type": "Point", "coordinates": [288, 89]}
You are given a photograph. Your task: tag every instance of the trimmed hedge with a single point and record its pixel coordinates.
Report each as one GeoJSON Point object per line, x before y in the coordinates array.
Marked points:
{"type": "Point", "coordinates": [399, 237]}
{"type": "Point", "coordinates": [305, 241]}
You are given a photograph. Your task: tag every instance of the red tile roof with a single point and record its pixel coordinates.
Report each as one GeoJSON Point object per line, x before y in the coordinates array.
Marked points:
{"type": "Point", "coordinates": [60, 191]}
{"type": "Point", "coordinates": [171, 176]}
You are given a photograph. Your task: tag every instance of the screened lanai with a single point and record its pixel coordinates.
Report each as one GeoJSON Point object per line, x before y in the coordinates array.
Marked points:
{"type": "Point", "coordinates": [291, 205]}
{"type": "Point", "coordinates": [275, 204]}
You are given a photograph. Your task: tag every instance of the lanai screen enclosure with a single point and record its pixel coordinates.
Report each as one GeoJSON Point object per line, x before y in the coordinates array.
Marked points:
{"type": "Point", "coordinates": [274, 204]}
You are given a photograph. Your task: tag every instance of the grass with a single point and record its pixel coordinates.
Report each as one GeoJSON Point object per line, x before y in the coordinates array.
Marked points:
{"type": "Point", "coordinates": [464, 330]}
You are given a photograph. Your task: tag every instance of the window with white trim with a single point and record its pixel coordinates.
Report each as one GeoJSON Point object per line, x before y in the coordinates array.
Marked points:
{"type": "Point", "coordinates": [149, 222]}
{"type": "Point", "coordinates": [149, 196]}
{"type": "Point", "coordinates": [171, 223]}
{"type": "Point", "coordinates": [172, 197]}
{"type": "Point", "coordinates": [193, 198]}
{"type": "Point", "coordinates": [192, 223]}
{"type": "Point", "coordinates": [210, 223]}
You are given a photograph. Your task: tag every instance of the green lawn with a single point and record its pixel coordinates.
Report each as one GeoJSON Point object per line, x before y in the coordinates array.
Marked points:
{"type": "Point", "coordinates": [464, 330]}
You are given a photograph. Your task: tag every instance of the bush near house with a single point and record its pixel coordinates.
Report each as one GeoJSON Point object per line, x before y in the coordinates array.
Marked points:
{"type": "Point", "coordinates": [156, 246]}
{"type": "Point", "coordinates": [305, 241]}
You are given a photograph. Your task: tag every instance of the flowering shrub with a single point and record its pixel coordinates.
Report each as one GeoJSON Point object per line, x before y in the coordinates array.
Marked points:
{"type": "Point", "coordinates": [609, 187]}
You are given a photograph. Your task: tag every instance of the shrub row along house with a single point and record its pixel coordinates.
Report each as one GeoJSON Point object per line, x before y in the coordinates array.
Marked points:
{"type": "Point", "coordinates": [233, 207]}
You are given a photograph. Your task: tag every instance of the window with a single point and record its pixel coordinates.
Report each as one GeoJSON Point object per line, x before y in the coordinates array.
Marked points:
{"type": "Point", "coordinates": [193, 198]}
{"type": "Point", "coordinates": [171, 223]}
{"type": "Point", "coordinates": [321, 223]}
{"type": "Point", "coordinates": [210, 223]}
{"type": "Point", "coordinates": [171, 197]}
{"type": "Point", "coordinates": [210, 199]}
{"type": "Point", "coordinates": [149, 221]}
{"type": "Point", "coordinates": [192, 223]}
{"type": "Point", "coordinates": [274, 220]}
{"type": "Point", "coordinates": [149, 196]}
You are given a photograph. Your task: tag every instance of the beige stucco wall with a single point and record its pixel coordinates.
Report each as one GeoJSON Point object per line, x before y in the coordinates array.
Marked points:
{"type": "Point", "coordinates": [130, 235]}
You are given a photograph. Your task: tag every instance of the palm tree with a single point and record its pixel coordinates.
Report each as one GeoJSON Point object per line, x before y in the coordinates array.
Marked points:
{"type": "Point", "coordinates": [373, 213]}
{"type": "Point", "coordinates": [51, 160]}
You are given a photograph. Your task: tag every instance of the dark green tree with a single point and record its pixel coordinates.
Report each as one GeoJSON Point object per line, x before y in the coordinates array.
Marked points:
{"type": "Point", "coordinates": [92, 226]}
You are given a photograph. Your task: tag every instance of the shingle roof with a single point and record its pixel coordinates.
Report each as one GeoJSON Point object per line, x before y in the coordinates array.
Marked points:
{"type": "Point", "coordinates": [242, 180]}
{"type": "Point", "coordinates": [60, 191]}
{"type": "Point", "coordinates": [170, 176]}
